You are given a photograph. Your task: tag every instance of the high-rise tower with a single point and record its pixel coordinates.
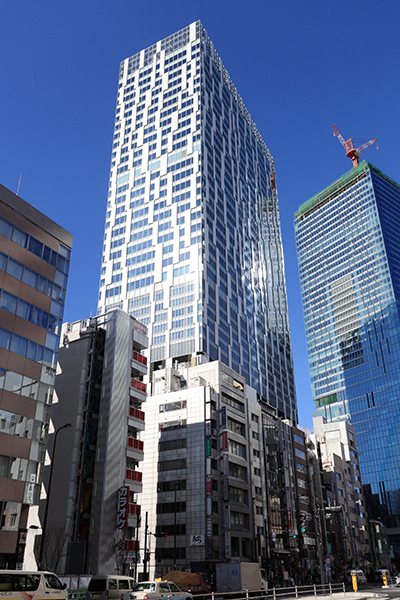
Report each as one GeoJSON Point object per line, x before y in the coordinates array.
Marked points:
{"type": "Point", "coordinates": [348, 251]}
{"type": "Point", "coordinates": [192, 243]}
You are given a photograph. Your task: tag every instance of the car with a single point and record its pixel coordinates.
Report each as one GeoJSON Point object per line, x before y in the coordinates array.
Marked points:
{"type": "Point", "coordinates": [359, 574]}
{"type": "Point", "coordinates": [157, 590]}
{"type": "Point", "coordinates": [110, 587]}
{"type": "Point", "coordinates": [398, 580]}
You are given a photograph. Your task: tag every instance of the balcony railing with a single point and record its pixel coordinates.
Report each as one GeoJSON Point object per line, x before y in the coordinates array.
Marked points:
{"type": "Point", "coordinates": [131, 545]}
{"type": "Point", "coordinates": [138, 385]}
{"type": "Point", "coordinates": [135, 413]}
{"type": "Point", "coordinates": [134, 509]}
{"type": "Point", "coordinates": [139, 357]}
{"type": "Point", "coordinates": [134, 475]}
{"type": "Point", "coordinates": [136, 444]}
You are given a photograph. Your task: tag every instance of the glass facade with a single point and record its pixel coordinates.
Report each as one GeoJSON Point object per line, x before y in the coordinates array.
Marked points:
{"type": "Point", "coordinates": [349, 262]}
{"type": "Point", "coordinates": [34, 267]}
{"type": "Point", "coordinates": [192, 242]}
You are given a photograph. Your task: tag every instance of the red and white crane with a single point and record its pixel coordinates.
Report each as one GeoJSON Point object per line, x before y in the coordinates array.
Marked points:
{"type": "Point", "coordinates": [351, 151]}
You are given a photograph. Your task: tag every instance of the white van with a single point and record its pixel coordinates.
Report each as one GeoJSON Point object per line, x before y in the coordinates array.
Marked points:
{"type": "Point", "coordinates": [19, 585]}
{"type": "Point", "coordinates": [110, 587]}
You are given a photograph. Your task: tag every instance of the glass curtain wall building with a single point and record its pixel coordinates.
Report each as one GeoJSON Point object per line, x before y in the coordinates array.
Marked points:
{"type": "Point", "coordinates": [349, 260]}
{"type": "Point", "coordinates": [34, 265]}
{"type": "Point", "coordinates": [192, 242]}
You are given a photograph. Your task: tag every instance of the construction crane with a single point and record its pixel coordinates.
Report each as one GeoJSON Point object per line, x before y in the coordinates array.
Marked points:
{"type": "Point", "coordinates": [351, 151]}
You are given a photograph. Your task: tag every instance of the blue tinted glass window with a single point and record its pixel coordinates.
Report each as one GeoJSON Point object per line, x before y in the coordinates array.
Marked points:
{"type": "Point", "coordinates": [3, 261]}
{"type": "Point", "coordinates": [5, 339]}
{"type": "Point", "coordinates": [14, 268]}
{"type": "Point", "coordinates": [6, 228]}
{"type": "Point", "coordinates": [19, 345]}
{"type": "Point", "coordinates": [54, 324]}
{"type": "Point", "coordinates": [37, 316]}
{"type": "Point", "coordinates": [46, 254]}
{"type": "Point", "coordinates": [35, 246]}
{"type": "Point", "coordinates": [48, 355]}
{"type": "Point", "coordinates": [56, 308]}
{"type": "Point", "coordinates": [25, 310]}
{"type": "Point", "coordinates": [64, 251]}
{"type": "Point", "coordinates": [8, 302]}
{"type": "Point", "coordinates": [42, 284]}
{"type": "Point", "coordinates": [60, 278]}
{"type": "Point", "coordinates": [39, 354]}
{"type": "Point", "coordinates": [45, 319]}
{"type": "Point", "coordinates": [32, 347]}
{"type": "Point", "coordinates": [20, 237]}
{"type": "Point", "coordinates": [29, 277]}
{"type": "Point", "coordinates": [52, 341]}
{"type": "Point", "coordinates": [62, 264]}
{"type": "Point", "coordinates": [53, 258]}
{"type": "Point", "coordinates": [58, 293]}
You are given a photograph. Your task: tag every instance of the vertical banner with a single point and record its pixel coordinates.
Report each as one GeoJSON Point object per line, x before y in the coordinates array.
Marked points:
{"type": "Point", "coordinates": [223, 418]}
{"type": "Point", "coordinates": [123, 504]}
{"type": "Point", "coordinates": [227, 544]}
{"type": "Point", "coordinates": [226, 490]}
{"type": "Point", "coordinates": [225, 465]}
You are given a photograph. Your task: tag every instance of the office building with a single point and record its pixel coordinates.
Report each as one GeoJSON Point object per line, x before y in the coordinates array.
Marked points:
{"type": "Point", "coordinates": [94, 504]}
{"type": "Point", "coordinates": [192, 241]}
{"type": "Point", "coordinates": [345, 528]}
{"type": "Point", "coordinates": [34, 264]}
{"type": "Point", "coordinates": [348, 252]}
{"type": "Point", "coordinates": [219, 476]}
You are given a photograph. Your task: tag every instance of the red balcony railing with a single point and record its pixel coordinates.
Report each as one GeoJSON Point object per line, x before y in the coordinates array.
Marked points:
{"type": "Point", "coordinates": [134, 509]}
{"type": "Point", "coordinates": [138, 385]}
{"type": "Point", "coordinates": [136, 413]}
{"type": "Point", "coordinates": [131, 545]}
{"type": "Point", "coordinates": [133, 443]}
{"type": "Point", "coordinates": [139, 357]}
{"type": "Point", "coordinates": [134, 475]}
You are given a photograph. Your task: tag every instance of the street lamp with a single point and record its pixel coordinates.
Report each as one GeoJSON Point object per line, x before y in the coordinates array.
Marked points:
{"type": "Point", "coordinates": [66, 426]}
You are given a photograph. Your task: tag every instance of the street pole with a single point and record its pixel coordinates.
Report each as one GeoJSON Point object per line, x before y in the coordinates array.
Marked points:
{"type": "Point", "coordinates": [145, 576]}
{"type": "Point", "coordinates": [66, 426]}
{"type": "Point", "coordinates": [137, 544]}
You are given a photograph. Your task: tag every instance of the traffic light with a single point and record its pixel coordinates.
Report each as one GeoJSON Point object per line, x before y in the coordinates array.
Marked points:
{"type": "Point", "coordinates": [303, 523]}
{"type": "Point", "coordinates": [161, 534]}
{"type": "Point", "coordinates": [147, 556]}
{"type": "Point", "coordinates": [294, 536]}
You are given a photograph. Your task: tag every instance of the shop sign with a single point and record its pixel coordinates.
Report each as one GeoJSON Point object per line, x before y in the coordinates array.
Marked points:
{"type": "Point", "coordinates": [123, 504]}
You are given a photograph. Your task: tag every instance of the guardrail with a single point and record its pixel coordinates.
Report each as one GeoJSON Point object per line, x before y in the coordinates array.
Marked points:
{"type": "Point", "coordinates": [280, 593]}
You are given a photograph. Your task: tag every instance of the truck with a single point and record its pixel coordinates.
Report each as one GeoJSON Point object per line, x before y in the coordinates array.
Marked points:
{"type": "Point", "coordinates": [235, 577]}
{"type": "Point", "coordinates": [195, 583]}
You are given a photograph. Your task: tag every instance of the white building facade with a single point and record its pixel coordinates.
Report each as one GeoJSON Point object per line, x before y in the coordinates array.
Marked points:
{"type": "Point", "coordinates": [192, 242]}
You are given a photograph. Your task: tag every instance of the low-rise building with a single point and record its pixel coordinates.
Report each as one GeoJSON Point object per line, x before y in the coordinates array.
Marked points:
{"type": "Point", "coordinates": [94, 504]}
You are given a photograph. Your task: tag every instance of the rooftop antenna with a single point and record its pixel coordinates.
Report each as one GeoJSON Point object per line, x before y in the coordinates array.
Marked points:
{"type": "Point", "coordinates": [19, 183]}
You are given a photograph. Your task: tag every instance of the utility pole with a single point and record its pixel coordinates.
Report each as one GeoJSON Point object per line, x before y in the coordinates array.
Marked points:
{"type": "Point", "coordinates": [145, 574]}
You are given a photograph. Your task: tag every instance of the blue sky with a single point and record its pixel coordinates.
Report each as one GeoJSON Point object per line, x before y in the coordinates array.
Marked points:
{"type": "Point", "coordinates": [300, 66]}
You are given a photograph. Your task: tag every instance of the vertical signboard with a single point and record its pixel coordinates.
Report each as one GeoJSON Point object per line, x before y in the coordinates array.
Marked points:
{"type": "Point", "coordinates": [223, 418]}
{"type": "Point", "coordinates": [226, 490]}
{"type": "Point", "coordinates": [123, 505]}
{"type": "Point", "coordinates": [227, 516]}
{"type": "Point", "coordinates": [225, 465]}
{"type": "Point", "coordinates": [227, 544]}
